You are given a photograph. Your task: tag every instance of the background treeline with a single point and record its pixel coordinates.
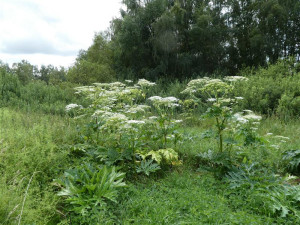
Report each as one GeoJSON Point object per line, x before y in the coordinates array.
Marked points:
{"type": "Point", "coordinates": [181, 38]}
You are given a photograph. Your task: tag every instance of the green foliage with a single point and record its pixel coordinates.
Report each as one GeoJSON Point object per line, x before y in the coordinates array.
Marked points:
{"type": "Point", "coordinates": [187, 197]}
{"type": "Point", "coordinates": [218, 96]}
{"type": "Point", "coordinates": [147, 167]}
{"type": "Point", "coordinates": [88, 188]}
{"type": "Point", "coordinates": [93, 65]}
{"type": "Point", "coordinates": [160, 38]}
{"type": "Point", "coordinates": [36, 95]}
{"type": "Point", "coordinates": [10, 86]}
{"type": "Point", "coordinates": [163, 156]}
{"type": "Point", "coordinates": [130, 127]}
{"type": "Point", "coordinates": [30, 143]}
{"type": "Point", "coordinates": [274, 90]}
{"type": "Point", "coordinates": [52, 75]}
{"type": "Point", "coordinates": [292, 161]}
{"type": "Point", "coordinates": [24, 71]}
{"type": "Point", "coordinates": [218, 162]}
{"type": "Point", "coordinates": [264, 191]}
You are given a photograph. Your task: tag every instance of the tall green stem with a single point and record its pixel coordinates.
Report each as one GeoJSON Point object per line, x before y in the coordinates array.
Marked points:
{"type": "Point", "coordinates": [220, 135]}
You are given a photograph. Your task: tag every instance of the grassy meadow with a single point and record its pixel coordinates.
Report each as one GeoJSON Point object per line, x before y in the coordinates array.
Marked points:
{"type": "Point", "coordinates": [150, 153]}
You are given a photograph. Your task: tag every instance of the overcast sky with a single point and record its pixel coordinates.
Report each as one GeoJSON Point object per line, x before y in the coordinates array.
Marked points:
{"type": "Point", "coordinates": [51, 31]}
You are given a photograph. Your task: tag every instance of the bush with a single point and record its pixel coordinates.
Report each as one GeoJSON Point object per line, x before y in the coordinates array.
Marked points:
{"type": "Point", "coordinates": [272, 90]}
{"type": "Point", "coordinates": [36, 95]}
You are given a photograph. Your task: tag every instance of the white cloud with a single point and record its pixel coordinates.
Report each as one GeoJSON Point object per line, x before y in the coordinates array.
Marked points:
{"type": "Point", "coordinates": [43, 31]}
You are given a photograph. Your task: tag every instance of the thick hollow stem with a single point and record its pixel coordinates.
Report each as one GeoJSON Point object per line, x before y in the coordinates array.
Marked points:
{"type": "Point", "coordinates": [220, 135]}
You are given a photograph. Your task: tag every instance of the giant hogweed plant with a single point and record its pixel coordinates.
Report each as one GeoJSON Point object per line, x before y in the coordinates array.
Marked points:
{"type": "Point", "coordinates": [114, 111]}
{"type": "Point", "coordinates": [217, 94]}
{"type": "Point", "coordinates": [123, 122]}
{"type": "Point", "coordinates": [261, 189]}
{"type": "Point", "coordinates": [233, 130]}
{"type": "Point", "coordinates": [121, 132]}
{"type": "Point", "coordinates": [166, 126]}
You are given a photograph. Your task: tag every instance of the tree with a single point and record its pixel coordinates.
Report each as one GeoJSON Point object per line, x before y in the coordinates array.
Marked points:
{"type": "Point", "coordinates": [93, 65]}
{"type": "Point", "coordinates": [24, 71]}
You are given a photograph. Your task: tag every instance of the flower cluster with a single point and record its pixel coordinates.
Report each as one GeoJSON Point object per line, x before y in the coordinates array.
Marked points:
{"type": "Point", "coordinates": [72, 106]}
{"type": "Point", "coordinates": [137, 109]}
{"type": "Point", "coordinates": [246, 116]}
{"type": "Point", "coordinates": [170, 102]}
{"type": "Point", "coordinates": [206, 87]}
{"type": "Point", "coordinates": [235, 78]}
{"type": "Point", "coordinates": [84, 89]}
{"type": "Point", "coordinates": [145, 83]}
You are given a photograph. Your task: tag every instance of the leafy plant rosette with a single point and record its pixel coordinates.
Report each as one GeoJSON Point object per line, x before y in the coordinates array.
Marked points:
{"type": "Point", "coordinates": [264, 191]}
{"type": "Point", "coordinates": [87, 190]}
{"type": "Point", "coordinates": [291, 161]}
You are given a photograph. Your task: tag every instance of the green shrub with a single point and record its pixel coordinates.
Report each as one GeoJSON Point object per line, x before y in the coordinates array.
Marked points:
{"type": "Point", "coordinates": [36, 95]}
{"type": "Point", "coordinates": [272, 90]}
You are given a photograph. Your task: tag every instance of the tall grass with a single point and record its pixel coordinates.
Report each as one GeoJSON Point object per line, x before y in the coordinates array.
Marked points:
{"type": "Point", "coordinates": [30, 144]}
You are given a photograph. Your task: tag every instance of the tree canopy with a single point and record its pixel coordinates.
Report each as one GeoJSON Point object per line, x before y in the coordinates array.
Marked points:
{"type": "Point", "coordinates": [180, 38]}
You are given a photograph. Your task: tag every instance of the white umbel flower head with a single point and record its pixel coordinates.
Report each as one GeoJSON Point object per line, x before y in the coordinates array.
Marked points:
{"type": "Point", "coordinates": [239, 118]}
{"type": "Point", "coordinates": [170, 99]}
{"type": "Point", "coordinates": [138, 109]}
{"type": "Point", "coordinates": [145, 83]}
{"type": "Point", "coordinates": [253, 117]}
{"type": "Point", "coordinates": [282, 137]}
{"type": "Point", "coordinates": [155, 98]}
{"type": "Point", "coordinates": [239, 98]}
{"type": "Point", "coordinates": [135, 121]}
{"type": "Point", "coordinates": [235, 78]}
{"type": "Point", "coordinates": [152, 117]}
{"type": "Point", "coordinates": [72, 106]}
{"type": "Point", "coordinates": [178, 121]}
{"type": "Point", "coordinates": [167, 101]}
{"type": "Point", "coordinates": [211, 100]}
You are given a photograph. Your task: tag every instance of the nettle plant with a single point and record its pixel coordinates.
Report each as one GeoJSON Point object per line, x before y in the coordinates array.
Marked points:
{"type": "Point", "coordinates": [127, 127]}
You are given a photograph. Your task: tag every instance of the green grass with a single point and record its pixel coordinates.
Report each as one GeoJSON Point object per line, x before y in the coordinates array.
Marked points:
{"type": "Point", "coordinates": [30, 147]}
{"type": "Point", "coordinates": [184, 197]}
